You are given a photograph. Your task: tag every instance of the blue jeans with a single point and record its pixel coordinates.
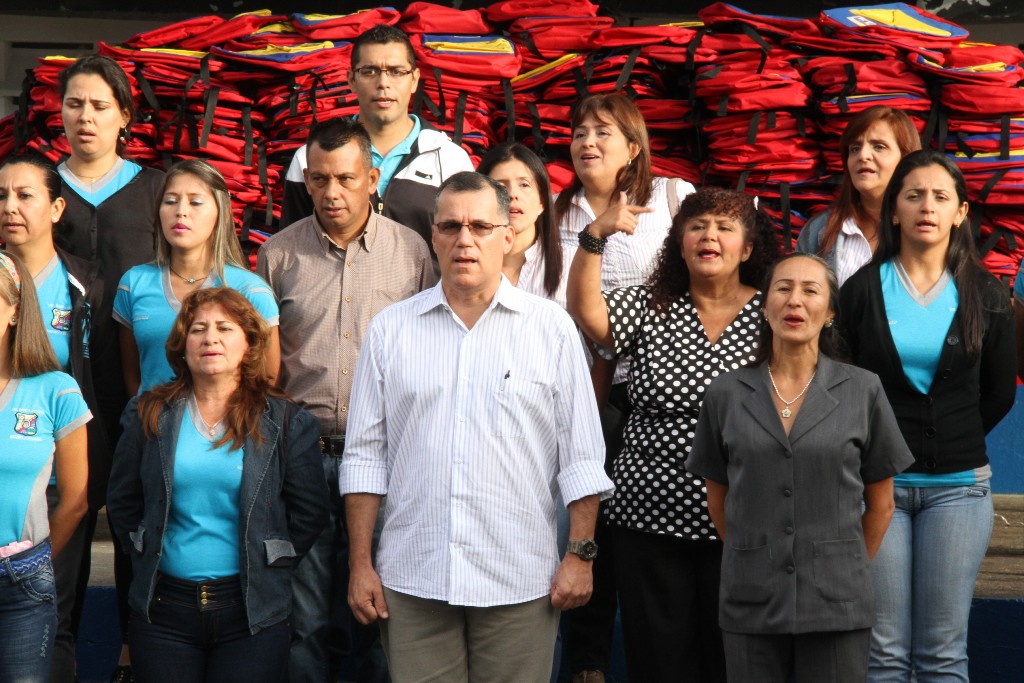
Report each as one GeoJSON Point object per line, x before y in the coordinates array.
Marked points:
{"type": "Point", "coordinates": [200, 632]}
{"type": "Point", "coordinates": [924, 577]}
{"type": "Point", "coordinates": [28, 616]}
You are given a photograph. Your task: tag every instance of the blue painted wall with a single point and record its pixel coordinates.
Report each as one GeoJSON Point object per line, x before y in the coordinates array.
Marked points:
{"type": "Point", "coordinates": [1006, 450]}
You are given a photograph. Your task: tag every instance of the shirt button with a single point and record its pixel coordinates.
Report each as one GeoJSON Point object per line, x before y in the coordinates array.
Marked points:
{"type": "Point", "coordinates": [344, 371]}
{"type": "Point", "coordinates": [930, 432]}
{"type": "Point", "coordinates": [790, 569]}
{"type": "Point", "coordinates": [344, 409]}
{"type": "Point", "coordinates": [347, 335]}
{"type": "Point", "coordinates": [787, 493]}
{"type": "Point", "coordinates": [787, 454]}
{"type": "Point", "coordinates": [789, 529]}
{"type": "Point", "coordinates": [952, 340]}
{"type": "Point", "coordinates": [348, 298]}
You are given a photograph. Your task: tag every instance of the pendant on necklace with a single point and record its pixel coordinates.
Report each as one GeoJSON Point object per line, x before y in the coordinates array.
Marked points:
{"type": "Point", "coordinates": [191, 280]}
{"type": "Point", "coordinates": [786, 412]}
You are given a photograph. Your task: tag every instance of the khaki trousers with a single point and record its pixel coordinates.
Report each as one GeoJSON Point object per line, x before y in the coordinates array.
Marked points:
{"type": "Point", "coordinates": [431, 640]}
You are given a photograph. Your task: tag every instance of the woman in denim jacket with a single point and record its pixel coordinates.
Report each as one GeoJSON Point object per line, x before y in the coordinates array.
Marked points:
{"type": "Point", "coordinates": [217, 490]}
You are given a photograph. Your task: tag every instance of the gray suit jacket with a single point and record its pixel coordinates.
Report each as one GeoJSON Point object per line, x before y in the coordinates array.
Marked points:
{"type": "Point", "coordinates": [794, 559]}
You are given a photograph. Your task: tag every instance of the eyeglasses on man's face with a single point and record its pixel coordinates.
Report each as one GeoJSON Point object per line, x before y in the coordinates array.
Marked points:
{"type": "Point", "coordinates": [372, 73]}
{"type": "Point", "coordinates": [478, 228]}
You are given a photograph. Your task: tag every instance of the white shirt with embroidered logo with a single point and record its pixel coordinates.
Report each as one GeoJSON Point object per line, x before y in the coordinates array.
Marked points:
{"type": "Point", "coordinates": [470, 433]}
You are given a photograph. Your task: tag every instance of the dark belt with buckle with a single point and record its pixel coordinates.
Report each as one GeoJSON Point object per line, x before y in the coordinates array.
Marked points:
{"type": "Point", "coordinates": [333, 446]}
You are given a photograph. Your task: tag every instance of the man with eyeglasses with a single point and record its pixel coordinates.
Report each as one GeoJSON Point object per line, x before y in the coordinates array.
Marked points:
{"type": "Point", "coordinates": [332, 272]}
{"type": "Point", "coordinates": [471, 408]}
{"type": "Point", "coordinates": [413, 158]}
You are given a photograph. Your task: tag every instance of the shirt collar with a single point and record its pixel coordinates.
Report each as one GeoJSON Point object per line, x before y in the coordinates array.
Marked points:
{"type": "Point", "coordinates": [403, 147]}
{"type": "Point", "coordinates": [851, 228]}
{"type": "Point", "coordinates": [507, 296]}
{"type": "Point", "coordinates": [367, 237]}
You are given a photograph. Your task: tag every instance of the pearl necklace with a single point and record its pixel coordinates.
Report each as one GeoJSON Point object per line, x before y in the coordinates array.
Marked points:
{"type": "Point", "coordinates": [786, 412]}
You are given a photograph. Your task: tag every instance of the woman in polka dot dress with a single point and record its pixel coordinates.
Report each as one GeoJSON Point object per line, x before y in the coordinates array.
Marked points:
{"type": "Point", "coordinates": [696, 318]}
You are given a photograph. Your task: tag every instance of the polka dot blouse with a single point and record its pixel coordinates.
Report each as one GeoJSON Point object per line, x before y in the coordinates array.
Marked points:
{"type": "Point", "coordinates": [673, 364]}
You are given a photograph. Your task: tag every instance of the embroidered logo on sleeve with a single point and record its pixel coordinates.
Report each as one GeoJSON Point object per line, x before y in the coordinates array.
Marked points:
{"type": "Point", "coordinates": [26, 424]}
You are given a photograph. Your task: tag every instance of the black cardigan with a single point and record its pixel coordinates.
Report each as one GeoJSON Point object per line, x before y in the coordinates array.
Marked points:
{"type": "Point", "coordinates": [946, 428]}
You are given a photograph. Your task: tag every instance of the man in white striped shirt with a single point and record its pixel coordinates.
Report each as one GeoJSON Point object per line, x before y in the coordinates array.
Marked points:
{"type": "Point", "coordinates": [471, 408]}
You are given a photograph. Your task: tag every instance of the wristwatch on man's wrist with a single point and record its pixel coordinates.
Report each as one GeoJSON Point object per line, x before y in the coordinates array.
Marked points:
{"type": "Point", "coordinates": [585, 548]}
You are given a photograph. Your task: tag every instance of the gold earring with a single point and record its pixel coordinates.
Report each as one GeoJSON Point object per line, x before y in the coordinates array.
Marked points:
{"type": "Point", "coordinates": [828, 323]}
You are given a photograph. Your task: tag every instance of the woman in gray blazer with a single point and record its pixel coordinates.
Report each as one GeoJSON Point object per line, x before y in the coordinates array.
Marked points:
{"type": "Point", "coordinates": [789, 447]}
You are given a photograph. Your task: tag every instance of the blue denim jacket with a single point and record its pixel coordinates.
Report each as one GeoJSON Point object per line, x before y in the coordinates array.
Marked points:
{"type": "Point", "coordinates": [284, 504]}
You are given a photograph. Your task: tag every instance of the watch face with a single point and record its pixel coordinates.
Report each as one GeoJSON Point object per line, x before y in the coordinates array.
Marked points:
{"type": "Point", "coordinates": [586, 549]}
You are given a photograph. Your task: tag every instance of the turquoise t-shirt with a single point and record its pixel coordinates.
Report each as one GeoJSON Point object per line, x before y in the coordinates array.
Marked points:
{"type": "Point", "coordinates": [389, 164]}
{"type": "Point", "coordinates": [55, 304]}
{"type": "Point", "coordinates": [201, 539]}
{"type": "Point", "coordinates": [145, 304]}
{"type": "Point", "coordinates": [35, 413]}
{"type": "Point", "coordinates": [104, 188]}
{"type": "Point", "coordinates": [918, 322]}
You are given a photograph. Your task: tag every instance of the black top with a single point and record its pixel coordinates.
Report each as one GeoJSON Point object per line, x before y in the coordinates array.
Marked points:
{"type": "Point", "coordinates": [673, 364]}
{"type": "Point", "coordinates": [945, 428]}
{"type": "Point", "coordinates": [116, 235]}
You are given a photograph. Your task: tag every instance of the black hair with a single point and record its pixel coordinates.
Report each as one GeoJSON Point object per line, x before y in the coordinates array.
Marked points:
{"type": "Point", "coordinates": [50, 176]}
{"type": "Point", "coordinates": [670, 278]}
{"type": "Point", "coordinates": [547, 231]}
{"type": "Point", "coordinates": [830, 342]}
{"type": "Point", "coordinates": [961, 255]}
{"type": "Point", "coordinates": [471, 181]}
{"type": "Point", "coordinates": [338, 132]}
{"type": "Point", "coordinates": [382, 34]}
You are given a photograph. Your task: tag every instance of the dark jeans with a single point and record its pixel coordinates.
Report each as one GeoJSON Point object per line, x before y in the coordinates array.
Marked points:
{"type": "Point", "coordinates": [327, 641]}
{"type": "Point", "coordinates": [28, 615]}
{"type": "Point", "coordinates": [199, 632]}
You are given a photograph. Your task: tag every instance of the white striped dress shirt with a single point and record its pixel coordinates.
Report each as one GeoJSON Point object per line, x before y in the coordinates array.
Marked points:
{"type": "Point", "coordinates": [470, 433]}
{"type": "Point", "coordinates": [852, 250]}
{"type": "Point", "coordinates": [628, 259]}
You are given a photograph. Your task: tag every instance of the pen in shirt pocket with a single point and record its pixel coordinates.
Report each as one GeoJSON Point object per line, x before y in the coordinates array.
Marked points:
{"type": "Point", "coordinates": [504, 380]}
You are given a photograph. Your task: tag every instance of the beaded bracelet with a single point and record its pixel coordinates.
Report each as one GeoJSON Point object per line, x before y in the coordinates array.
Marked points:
{"type": "Point", "coordinates": [595, 245]}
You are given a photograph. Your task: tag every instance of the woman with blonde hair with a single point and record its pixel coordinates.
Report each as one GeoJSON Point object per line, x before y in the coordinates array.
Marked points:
{"type": "Point", "coordinates": [197, 248]}
{"type": "Point", "coordinates": [42, 418]}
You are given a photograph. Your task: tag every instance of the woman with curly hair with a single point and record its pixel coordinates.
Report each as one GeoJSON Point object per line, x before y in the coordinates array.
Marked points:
{"type": "Point", "coordinates": [697, 317]}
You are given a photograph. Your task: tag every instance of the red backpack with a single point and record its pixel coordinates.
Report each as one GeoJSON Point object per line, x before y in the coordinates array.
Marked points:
{"type": "Point", "coordinates": [426, 17]}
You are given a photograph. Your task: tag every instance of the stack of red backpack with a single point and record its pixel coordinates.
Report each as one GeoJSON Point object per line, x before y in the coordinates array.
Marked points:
{"type": "Point", "coordinates": [739, 99]}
